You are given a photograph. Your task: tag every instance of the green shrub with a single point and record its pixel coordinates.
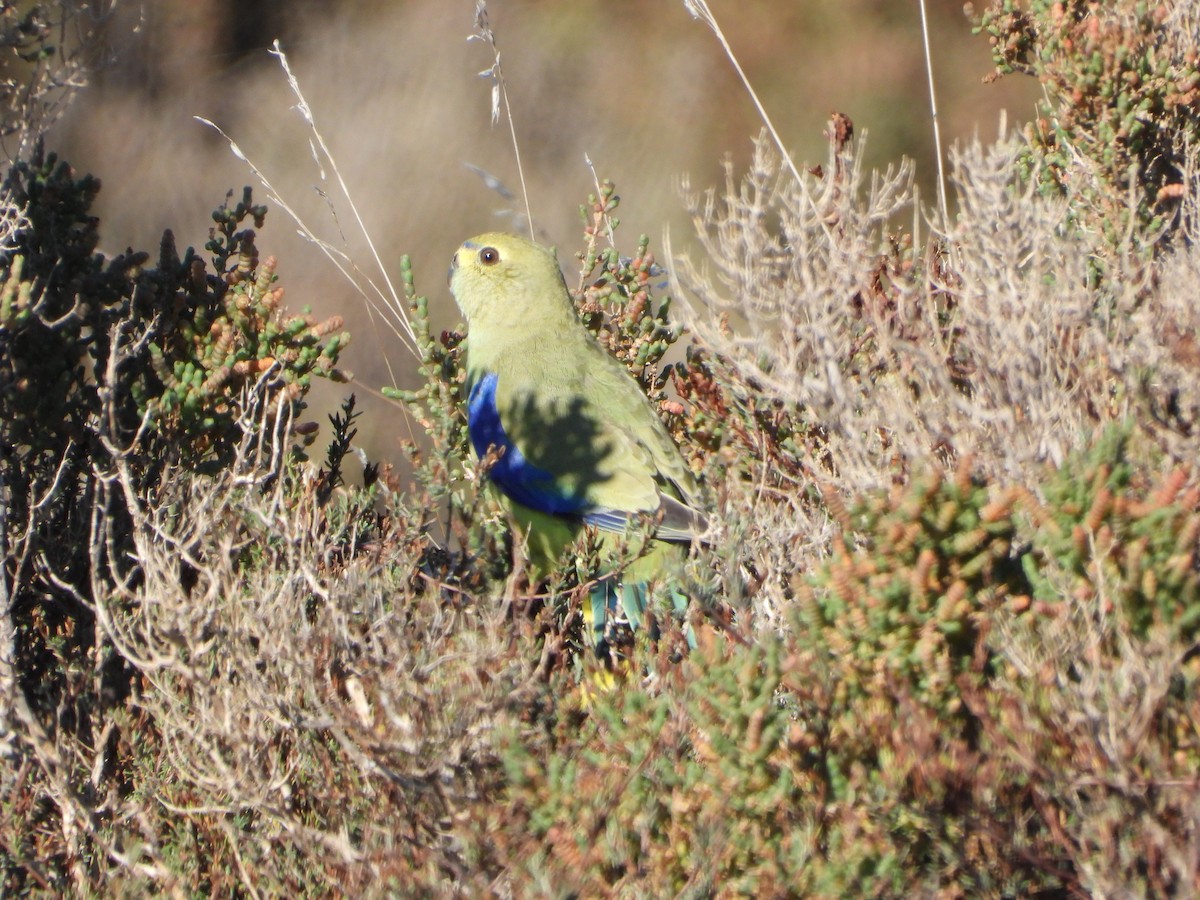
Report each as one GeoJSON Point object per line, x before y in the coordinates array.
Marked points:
{"type": "Point", "coordinates": [114, 377]}
{"type": "Point", "coordinates": [945, 630]}
{"type": "Point", "coordinates": [1120, 112]}
{"type": "Point", "coordinates": [947, 712]}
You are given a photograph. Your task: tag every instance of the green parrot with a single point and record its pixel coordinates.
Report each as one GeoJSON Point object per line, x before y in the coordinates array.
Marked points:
{"type": "Point", "coordinates": [579, 443]}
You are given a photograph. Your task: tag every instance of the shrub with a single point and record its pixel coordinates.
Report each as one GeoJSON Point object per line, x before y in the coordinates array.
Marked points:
{"type": "Point", "coordinates": [945, 628]}
{"type": "Point", "coordinates": [1120, 113]}
{"type": "Point", "coordinates": [114, 377]}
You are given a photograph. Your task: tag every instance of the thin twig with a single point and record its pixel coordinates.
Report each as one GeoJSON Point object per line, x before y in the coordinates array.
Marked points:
{"type": "Point", "coordinates": [483, 32]}
{"type": "Point", "coordinates": [699, 10]}
{"type": "Point", "coordinates": [937, 131]}
{"type": "Point", "coordinates": [386, 304]}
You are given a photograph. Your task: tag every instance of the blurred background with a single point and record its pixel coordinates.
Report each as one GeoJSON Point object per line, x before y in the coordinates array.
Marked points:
{"type": "Point", "coordinates": [639, 86]}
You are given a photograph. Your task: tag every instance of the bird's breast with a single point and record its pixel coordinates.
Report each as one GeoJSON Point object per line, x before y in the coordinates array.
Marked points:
{"type": "Point", "coordinates": [521, 480]}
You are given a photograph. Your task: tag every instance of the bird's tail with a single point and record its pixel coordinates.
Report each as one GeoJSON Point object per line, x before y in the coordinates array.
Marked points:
{"type": "Point", "coordinates": [612, 604]}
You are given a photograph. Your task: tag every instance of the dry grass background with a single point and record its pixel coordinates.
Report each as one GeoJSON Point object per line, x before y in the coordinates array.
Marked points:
{"type": "Point", "coordinates": [638, 86]}
{"type": "Point", "coordinates": [947, 626]}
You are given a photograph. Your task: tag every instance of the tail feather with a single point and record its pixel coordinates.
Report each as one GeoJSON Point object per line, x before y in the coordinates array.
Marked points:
{"type": "Point", "coordinates": [611, 604]}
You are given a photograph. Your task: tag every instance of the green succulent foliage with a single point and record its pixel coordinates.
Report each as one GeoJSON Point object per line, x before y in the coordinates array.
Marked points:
{"type": "Point", "coordinates": [911, 707]}
{"type": "Point", "coordinates": [908, 585]}
{"type": "Point", "coordinates": [881, 745]}
{"type": "Point", "coordinates": [174, 347]}
{"type": "Point", "coordinates": [109, 366]}
{"type": "Point", "coordinates": [446, 469]}
{"type": "Point", "coordinates": [616, 300]}
{"type": "Point", "coordinates": [1121, 93]}
{"type": "Point", "coordinates": [226, 335]}
{"type": "Point", "coordinates": [1113, 563]}
{"type": "Point", "coordinates": [886, 637]}
{"type": "Point", "coordinates": [1108, 540]}
{"type": "Point", "coordinates": [682, 789]}
{"type": "Point", "coordinates": [900, 596]}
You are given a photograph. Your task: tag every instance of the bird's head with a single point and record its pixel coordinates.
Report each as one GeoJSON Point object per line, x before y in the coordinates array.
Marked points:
{"type": "Point", "coordinates": [501, 280]}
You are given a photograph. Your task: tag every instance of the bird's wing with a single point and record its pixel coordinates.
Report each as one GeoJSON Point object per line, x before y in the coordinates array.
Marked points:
{"type": "Point", "coordinates": [644, 446]}
{"type": "Point", "coordinates": [583, 440]}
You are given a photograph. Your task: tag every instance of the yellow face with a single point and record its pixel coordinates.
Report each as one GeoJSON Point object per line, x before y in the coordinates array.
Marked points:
{"type": "Point", "coordinates": [476, 251]}
{"type": "Point", "coordinates": [504, 278]}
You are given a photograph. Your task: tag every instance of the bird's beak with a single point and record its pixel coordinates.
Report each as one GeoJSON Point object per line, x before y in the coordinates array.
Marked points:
{"type": "Point", "coordinates": [453, 266]}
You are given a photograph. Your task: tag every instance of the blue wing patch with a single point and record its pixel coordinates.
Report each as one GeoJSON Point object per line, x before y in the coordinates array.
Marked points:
{"type": "Point", "coordinates": [522, 481]}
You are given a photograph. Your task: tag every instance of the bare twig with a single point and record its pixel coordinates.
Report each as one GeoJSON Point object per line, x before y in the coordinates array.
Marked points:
{"type": "Point", "coordinates": [700, 10]}
{"type": "Point", "coordinates": [937, 131]}
{"type": "Point", "coordinates": [483, 32]}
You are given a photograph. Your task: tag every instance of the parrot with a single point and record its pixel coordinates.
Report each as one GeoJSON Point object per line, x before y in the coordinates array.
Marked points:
{"type": "Point", "coordinates": [576, 442]}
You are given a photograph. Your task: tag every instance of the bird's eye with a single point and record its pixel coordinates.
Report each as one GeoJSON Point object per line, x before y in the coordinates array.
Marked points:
{"type": "Point", "coordinates": [489, 256]}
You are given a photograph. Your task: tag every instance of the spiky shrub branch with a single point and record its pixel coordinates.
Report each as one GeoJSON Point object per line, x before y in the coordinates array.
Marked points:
{"type": "Point", "coordinates": [115, 377]}
{"type": "Point", "coordinates": [48, 52]}
{"type": "Point", "coordinates": [1123, 88]}
{"type": "Point", "coordinates": [959, 531]}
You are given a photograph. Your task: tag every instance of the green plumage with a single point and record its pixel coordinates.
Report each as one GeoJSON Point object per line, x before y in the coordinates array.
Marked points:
{"type": "Point", "coordinates": [572, 411]}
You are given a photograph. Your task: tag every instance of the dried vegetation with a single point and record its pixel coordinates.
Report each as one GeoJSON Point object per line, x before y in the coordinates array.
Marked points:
{"type": "Point", "coordinates": [947, 619]}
